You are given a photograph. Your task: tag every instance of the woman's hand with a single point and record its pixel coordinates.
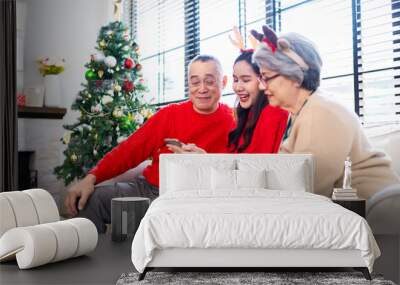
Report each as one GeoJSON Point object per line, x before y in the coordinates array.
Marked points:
{"type": "Point", "coordinates": [186, 148]}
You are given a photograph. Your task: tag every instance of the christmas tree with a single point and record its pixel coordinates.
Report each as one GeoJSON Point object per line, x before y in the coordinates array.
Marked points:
{"type": "Point", "coordinates": [111, 103]}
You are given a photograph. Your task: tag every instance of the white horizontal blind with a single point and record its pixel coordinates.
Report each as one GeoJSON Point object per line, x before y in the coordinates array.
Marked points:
{"type": "Point", "coordinates": [255, 14]}
{"type": "Point", "coordinates": [216, 21]}
{"type": "Point", "coordinates": [361, 72]}
{"type": "Point", "coordinates": [214, 35]}
{"type": "Point", "coordinates": [328, 23]}
{"type": "Point", "coordinates": [378, 55]}
{"type": "Point", "coordinates": [360, 57]}
{"type": "Point", "coordinates": [160, 34]}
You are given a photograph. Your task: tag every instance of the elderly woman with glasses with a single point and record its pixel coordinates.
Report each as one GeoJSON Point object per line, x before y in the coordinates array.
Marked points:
{"type": "Point", "coordinates": [290, 69]}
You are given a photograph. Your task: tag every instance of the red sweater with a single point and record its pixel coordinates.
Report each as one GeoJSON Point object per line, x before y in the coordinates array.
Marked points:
{"type": "Point", "coordinates": [179, 121]}
{"type": "Point", "coordinates": [269, 130]}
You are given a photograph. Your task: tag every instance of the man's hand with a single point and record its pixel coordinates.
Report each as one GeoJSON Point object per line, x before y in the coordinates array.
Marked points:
{"type": "Point", "coordinates": [82, 190]}
{"type": "Point", "coordinates": [186, 148]}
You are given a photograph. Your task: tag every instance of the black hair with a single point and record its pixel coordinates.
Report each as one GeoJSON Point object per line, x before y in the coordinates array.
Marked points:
{"type": "Point", "coordinates": [246, 118]}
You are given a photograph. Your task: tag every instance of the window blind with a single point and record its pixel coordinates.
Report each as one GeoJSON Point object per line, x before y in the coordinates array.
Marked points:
{"type": "Point", "coordinates": [358, 40]}
{"type": "Point", "coordinates": [214, 37]}
{"type": "Point", "coordinates": [159, 29]}
{"type": "Point", "coordinates": [378, 61]}
{"type": "Point", "coordinates": [329, 25]}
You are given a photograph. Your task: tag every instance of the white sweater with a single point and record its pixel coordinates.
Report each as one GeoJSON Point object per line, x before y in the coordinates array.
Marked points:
{"type": "Point", "coordinates": [330, 132]}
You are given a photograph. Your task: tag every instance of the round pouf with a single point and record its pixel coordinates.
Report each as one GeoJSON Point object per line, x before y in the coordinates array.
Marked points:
{"type": "Point", "coordinates": [126, 214]}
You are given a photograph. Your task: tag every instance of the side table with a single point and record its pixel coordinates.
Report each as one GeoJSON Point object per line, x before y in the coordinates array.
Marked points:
{"type": "Point", "coordinates": [126, 214]}
{"type": "Point", "coordinates": [355, 205]}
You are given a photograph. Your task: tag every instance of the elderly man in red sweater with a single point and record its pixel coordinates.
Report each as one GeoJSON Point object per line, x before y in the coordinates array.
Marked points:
{"type": "Point", "coordinates": [201, 120]}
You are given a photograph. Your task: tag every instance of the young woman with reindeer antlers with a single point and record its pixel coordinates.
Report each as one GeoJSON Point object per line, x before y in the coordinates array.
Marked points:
{"type": "Point", "coordinates": [259, 126]}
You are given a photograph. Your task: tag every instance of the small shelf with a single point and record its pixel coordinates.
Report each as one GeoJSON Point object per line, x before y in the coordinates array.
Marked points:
{"type": "Point", "coordinates": [41, 112]}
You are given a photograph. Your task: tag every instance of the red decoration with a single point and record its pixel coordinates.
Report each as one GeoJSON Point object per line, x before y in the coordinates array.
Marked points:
{"type": "Point", "coordinates": [129, 63]}
{"type": "Point", "coordinates": [128, 86]}
{"type": "Point", "coordinates": [21, 100]}
{"type": "Point", "coordinates": [246, 50]}
{"type": "Point", "coordinates": [138, 66]}
{"type": "Point", "coordinates": [270, 44]}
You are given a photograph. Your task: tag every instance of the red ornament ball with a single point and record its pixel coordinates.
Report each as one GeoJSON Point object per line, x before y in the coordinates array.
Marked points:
{"type": "Point", "coordinates": [128, 86]}
{"type": "Point", "coordinates": [138, 66]}
{"type": "Point", "coordinates": [129, 63]}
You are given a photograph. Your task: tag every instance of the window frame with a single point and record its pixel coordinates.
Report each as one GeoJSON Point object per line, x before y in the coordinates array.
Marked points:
{"type": "Point", "coordinates": [273, 12]}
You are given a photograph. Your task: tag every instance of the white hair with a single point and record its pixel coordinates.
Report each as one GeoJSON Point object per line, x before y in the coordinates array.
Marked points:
{"type": "Point", "coordinates": [279, 62]}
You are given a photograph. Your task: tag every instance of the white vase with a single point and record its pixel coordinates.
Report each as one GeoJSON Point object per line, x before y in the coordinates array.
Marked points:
{"type": "Point", "coordinates": [52, 96]}
{"type": "Point", "coordinates": [34, 96]}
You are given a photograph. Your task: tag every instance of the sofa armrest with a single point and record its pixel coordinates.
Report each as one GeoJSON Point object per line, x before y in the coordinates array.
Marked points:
{"type": "Point", "coordinates": [383, 211]}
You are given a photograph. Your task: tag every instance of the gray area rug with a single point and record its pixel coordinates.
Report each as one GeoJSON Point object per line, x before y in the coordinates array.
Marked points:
{"type": "Point", "coordinates": [270, 278]}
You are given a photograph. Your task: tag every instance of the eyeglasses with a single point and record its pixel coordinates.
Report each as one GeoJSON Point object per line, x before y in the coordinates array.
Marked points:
{"type": "Point", "coordinates": [209, 82]}
{"type": "Point", "coordinates": [264, 79]}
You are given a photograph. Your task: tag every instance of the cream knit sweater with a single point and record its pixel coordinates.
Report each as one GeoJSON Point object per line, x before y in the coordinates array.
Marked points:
{"type": "Point", "coordinates": [330, 132]}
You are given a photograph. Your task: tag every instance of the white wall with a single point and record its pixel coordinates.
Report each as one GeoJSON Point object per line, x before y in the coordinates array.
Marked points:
{"type": "Point", "coordinates": [68, 29]}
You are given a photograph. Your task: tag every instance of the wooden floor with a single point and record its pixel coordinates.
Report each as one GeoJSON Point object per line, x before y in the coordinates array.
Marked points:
{"type": "Point", "coordinates": [102, 266]}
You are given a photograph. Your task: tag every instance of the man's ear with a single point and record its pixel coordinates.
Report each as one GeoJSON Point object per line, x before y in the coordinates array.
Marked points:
{"type": "Point", "coordinates": [224, 81]}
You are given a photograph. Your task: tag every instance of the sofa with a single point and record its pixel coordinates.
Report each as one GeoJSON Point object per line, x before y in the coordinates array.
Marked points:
{"type": "Point", "coordinates": [31, 231]}
{"type": "Point", "coordinates": [383, 209]}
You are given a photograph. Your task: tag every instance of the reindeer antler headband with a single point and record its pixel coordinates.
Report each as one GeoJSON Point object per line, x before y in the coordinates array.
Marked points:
{"type": "Point", "coordinates": [239, 42]}
{"type": "Point", "coordinates": [282, 45]}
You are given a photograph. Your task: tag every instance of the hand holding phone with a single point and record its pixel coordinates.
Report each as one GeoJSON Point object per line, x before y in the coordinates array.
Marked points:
{"type": "Point", "coordinates": [174, 142]}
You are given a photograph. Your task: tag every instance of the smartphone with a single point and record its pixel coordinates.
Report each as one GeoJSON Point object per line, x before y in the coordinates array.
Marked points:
{"type": "Point", "coordinates": [173, 142]}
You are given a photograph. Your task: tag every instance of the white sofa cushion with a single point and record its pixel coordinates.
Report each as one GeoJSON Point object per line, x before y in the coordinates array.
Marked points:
{"type": "Point", "coordinates": [87, 235]}
{"type": "Point", "coordinates": [23, 208]}
{"type": "Point", "coordinates": [7, 220]}
{"type": "Point", "coordinates": [31, 246]}
{"type": "Point", "coordinates": [34, 244]}
{"type": "Point", "coordinates": [45, 206]}
{"type": "Point", "coordinates": [40, 244]}
{"type": "Point", "coordinates": [26, 208]}
{"type": "Point", "coordinates": [387, 141]}
{"type": "Point", "coordinates": [66, 237]}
